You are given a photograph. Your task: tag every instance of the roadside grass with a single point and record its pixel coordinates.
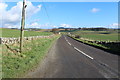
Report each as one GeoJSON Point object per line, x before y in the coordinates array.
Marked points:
{"type": "Point", "coordinates": [99, 35]}
{"type": "Point", "coordinates": [16, 33]}
{"type": "Point", "coordinates": [16, 65]}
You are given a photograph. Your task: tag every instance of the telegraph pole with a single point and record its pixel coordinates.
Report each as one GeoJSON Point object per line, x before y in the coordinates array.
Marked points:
{"type": "Point", "coordinates": [22, 26]}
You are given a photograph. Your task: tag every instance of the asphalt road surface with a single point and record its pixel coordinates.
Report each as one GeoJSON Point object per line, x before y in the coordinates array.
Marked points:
{"type": "Point", "coordinates": [71, 59]}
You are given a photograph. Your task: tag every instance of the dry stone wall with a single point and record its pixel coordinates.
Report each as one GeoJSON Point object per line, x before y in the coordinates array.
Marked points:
{"type": "Point", "coordinates": [17, 40]}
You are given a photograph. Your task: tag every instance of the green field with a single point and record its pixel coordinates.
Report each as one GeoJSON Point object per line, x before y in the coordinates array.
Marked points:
{"type": "Point", "coordinates": [16, 33]}
{"type": "Point", "coordinates": [16, 65]}
{"type": "Point", "coordinates": [98, 35]}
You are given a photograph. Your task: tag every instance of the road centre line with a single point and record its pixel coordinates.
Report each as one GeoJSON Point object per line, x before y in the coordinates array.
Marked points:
{"type": "Point", "coordinates": [80, 50]}
{"type": "Point", "coordinates": [66, 39]}
{"type": "Point", "coordinates": [105, 65]}
{"type": "Point", "coordinates": [83, 53]}
{"type": "Point", "coordinates": [69, 43]}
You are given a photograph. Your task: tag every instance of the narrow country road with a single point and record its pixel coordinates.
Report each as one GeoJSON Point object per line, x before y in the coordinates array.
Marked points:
{"type": "Point", "coordinates": [71, 59]}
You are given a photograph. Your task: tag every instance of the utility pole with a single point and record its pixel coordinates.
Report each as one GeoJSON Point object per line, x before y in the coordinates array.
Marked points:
{"type": "Point", "coordinates": [22, 26]}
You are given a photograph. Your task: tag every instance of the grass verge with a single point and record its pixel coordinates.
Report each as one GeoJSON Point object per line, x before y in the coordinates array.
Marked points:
{"type": "Point", "coordinates": [16, 65]}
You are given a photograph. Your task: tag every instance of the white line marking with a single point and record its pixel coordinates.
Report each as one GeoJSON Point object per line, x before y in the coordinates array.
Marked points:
{"type": "Point", "coordinates": [83, 53]}
{"type": "Point", "coordinates": [66, 39]}
{"type": "Point", "coordinates": [69, 43]}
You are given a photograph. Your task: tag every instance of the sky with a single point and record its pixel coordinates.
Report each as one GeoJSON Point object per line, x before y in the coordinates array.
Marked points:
{"type": "Point", "coordinates": [47, 15]}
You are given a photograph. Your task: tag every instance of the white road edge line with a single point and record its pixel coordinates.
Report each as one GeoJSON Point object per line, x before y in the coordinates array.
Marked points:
{"type": "Point", "coordinates": [83, 53]}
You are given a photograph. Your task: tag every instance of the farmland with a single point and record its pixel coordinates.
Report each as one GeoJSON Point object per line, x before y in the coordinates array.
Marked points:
{"type": "Point", "coordinates": [16, 33]}
{"type": "Point", "coordinates": [98, 35]}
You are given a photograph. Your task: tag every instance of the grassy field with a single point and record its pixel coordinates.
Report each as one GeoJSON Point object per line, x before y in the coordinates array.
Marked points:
{"type": "Point", "coordinates": [16, 33]}
{"type": "Point", "coordinates": [98, 35]}
{"type": "Point", "coordinates": [16, 65]}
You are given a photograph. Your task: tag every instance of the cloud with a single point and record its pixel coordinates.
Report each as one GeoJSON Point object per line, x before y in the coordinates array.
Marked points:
{"type": "Point", "coordinates": [11, 26]}
{"type": "Point", "coordinates": [54, 26]}
{"type": "Point", "coordinates": [65, 25]}
{"type": "Point", "coordinates": [12, 16]}
{"type": "Point", "coordinates": [37, 25]}
{"type": "Point", "coordinates": [94, 10]}
{"type": "Point", "coordinates": [114, 25]}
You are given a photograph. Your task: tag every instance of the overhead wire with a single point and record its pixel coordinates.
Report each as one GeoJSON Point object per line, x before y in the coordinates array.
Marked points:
{"type": "Point", "coordinates": [46, 12]}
